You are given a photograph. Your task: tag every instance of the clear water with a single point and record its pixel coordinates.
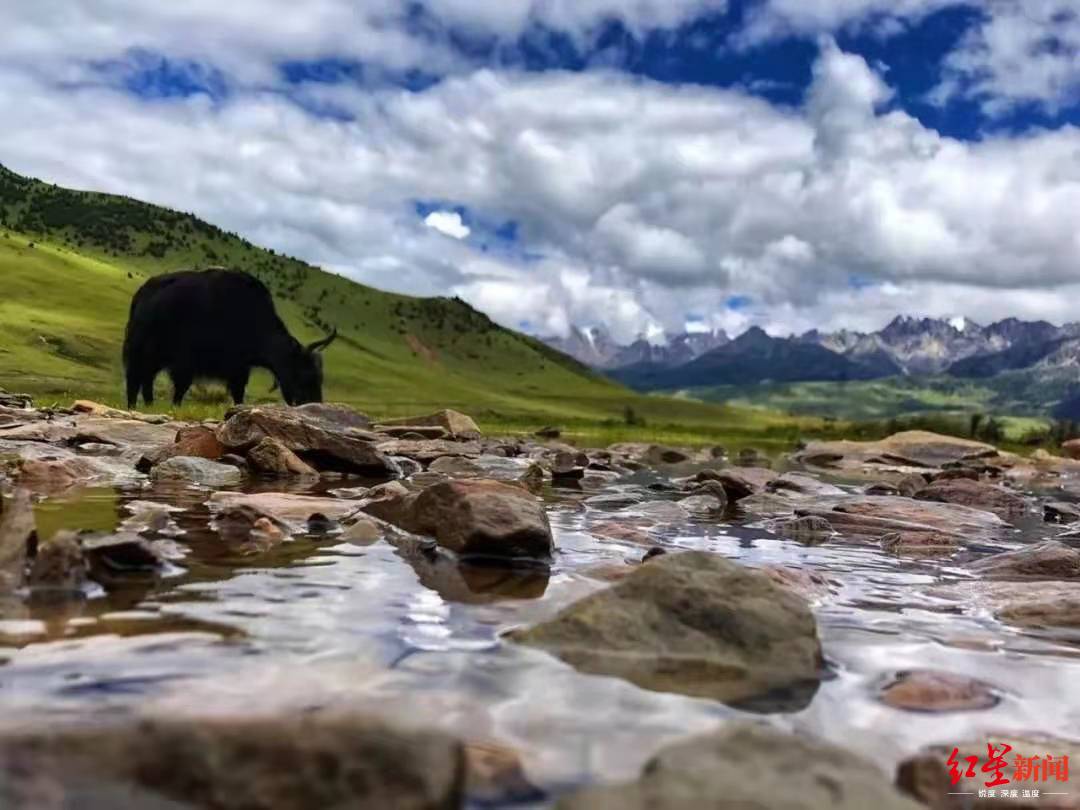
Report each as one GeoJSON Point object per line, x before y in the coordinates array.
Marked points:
{"type": "Point", "coordinates": [318, 622]}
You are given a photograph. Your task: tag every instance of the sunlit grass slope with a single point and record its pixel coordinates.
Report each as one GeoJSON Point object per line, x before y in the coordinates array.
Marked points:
{"type": "Point", "coordinates": [70, 262]}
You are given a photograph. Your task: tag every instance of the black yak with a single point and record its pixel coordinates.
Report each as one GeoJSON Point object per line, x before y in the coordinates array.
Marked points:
{"type": "Point", "coordinates": [215, 325]}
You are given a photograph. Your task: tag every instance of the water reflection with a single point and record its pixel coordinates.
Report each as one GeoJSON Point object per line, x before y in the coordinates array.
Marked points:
{"type": "Point", "coordinates": [327, 621]}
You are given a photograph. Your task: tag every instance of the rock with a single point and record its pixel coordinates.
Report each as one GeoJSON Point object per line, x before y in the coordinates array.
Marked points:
{"type": "Point", "coordinates": [17, 536]}
{"type": "Point", "coordinates": [494, 776]}
{"type": "Point", "coordinates": [693, 623]}
{"type": "Point", "coordinates": [59, 563]}
{"type": "Point", "coordinates": [908, 485]}
{"type": "Point", "coordinates": [1047, 560]}
{"type": "Point", "coordinates": [797, 484]}
{"type": "Point", "coordinates": [191, 442]}
{"type": "Point", "coordinates": [881, 488]}
{"type": "Point", "coordinates": [245, 526]}
{"type": "Point", "coordinates": [474, 518]}
{"type": "Point", "coordinates": [1059, 512]}
{"type": "Point", "coordinates": [456, 467]}
{"type": "Point", "coordinates": [1038, 604]}
{"type": "Point", "coordinates": [568, 467]}
{"type": "Point", "coordinates": [293, 510]}
{"type": "Point", "coordinates": [17, 401]}
{"type": "Point", "coordinates": [807, 584]}
{"type": "Point", "coordinates": [909, 449]}
{"type": "Point", "coordinates": [549, 432]}
{"type": "Point", "coordinates": [532, 480]}
{"type": "Point", "coordinates": [120, 559]}
{"type": "Point", "coordinates": [455, 423]}
{"type": "Point", "coordinates": [810, 529]}
{"type": "Point", "coordinates": [955, 474]}
{"type": "Point", "coordinates": [326, 437]}
{"type": "Point", "coordinates": [428, 450]}
{"type": "Point", "coordinates": [362, 531]}
{"type": "Point", "coordinates": [1071, 449]}
{"type": "Point", "coordinates": [703, 505]}
{"type": "Point", "coordinates": [271, 457]}
{"type": "Point", "coordinates": [315, 761]}
{"type": "Point", "coordinates": [622, 532]}
{"type": "Point", "coordinates": [744, 481]}
{"type": "Point", "coordinates": [737, 767]}
{"type": "Point", "coordinates": [657, 455]}
{"type": "Point", "coordinates": [919, 543]}
{"type": "Point", "coordinates": [413, 431]}
{"type": "Point", "coordinates": [976, 494]}
{"type": "Point", "coordinates": [875, 517]}
{"type": "Point", "coordinates": [57, 473]}
{"type": "Point", "coordinates": [924, 690]}
{"type": "Point", "coordinates": [614, 500]}
{"type": "Point", "coordinates": [653, 553]}
{"type": "Point", "coordinates": [926, 774]}
{"type": "Point", "coordinates": [200, 471]}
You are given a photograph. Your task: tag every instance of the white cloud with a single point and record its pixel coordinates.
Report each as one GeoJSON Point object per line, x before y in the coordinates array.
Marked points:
{"type": "Point", "coordinates": [774, 19]}
{"type": "Point", "coordinates": [448, 223]}
{"type": "Point", "coordinates": [637, 203]}
{"type": "Point", "coordinates": [1023, 51]}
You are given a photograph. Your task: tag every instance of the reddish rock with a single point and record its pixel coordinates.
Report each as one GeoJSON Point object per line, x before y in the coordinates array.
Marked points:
{"type": "Point", "coordinates": [191, 442]}
{"type": "Point", "coordinates": [929, 691]}
{"type": "Point", "coordinates": [1049, 560]}
{"type": "Point", "coordinates": [967, 492]}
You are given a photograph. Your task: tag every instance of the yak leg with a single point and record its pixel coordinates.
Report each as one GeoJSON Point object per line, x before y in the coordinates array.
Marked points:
{"type": "Point", "coordinates": [181, 380]}
{"type": "Point", "coordinates": [148, 388]}
{"type": "Point", "coordinates": [132, 389]}
{"type": "Point", "coordinates": [238, 385]}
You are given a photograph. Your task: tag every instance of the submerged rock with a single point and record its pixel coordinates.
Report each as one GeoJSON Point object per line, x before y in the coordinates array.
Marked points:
{"type": "Point", "coordinates": [693, 623]}
{"type": "Point", "coordinates": [926, 774]}
{"type": "Point", "coordinates": [199, 471]}
{"type": "Point", "coordinates": [974, 493]}
{"type": "Point", "coordinates": [259, 764]}
{"type": "Point", "coordinates": [1048, 560]}
{"type": "Point", "coordinates": [753, 767]}
{"type": "Point", "coordinates": [59, 563]}
{"type": "Point", "coordinates": [808, 529]}
{"type": "Point", "coordinates": [294, 510]}
{"type": "Point", "coordinates": [17, 535]}
{"type": "Point", "coordinates": [929, 691]}
{"type": "Point", "coordinates": [474, 518]}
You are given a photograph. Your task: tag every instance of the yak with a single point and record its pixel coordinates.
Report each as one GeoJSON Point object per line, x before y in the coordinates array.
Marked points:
{"type": "Point", "coordinates": [215, 325]}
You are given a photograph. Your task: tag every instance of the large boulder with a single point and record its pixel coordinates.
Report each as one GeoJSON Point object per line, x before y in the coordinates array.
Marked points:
{"type": "Point", "coordinates": [912, 449]}
{"type": "Point", "coordinates": [474, 517]}
{"type": "Point", "coordinates": [752, 767]}
{"type": "Point", "coordinates": [329, 438]}
{"type": "Point", "coordinates": [966, 492]}
{"type": "Point", "coordinates": [260, 764]}
{"type": "Point", "coordinates": [693, 623]}
{"type": "Point", "coordinates": [457, 424]}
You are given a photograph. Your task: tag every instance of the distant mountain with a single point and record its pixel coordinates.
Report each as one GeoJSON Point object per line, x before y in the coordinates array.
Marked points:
{"type": "Point", "coordinates": [594, 347]}
{"type": "Point", "coordinates": [751, 358]}
{"type": "Point", "coordinates": [917, 346]}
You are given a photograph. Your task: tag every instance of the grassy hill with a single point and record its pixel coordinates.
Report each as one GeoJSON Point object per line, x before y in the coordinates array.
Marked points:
{"type": "Point", "coordinates": [71, 260]}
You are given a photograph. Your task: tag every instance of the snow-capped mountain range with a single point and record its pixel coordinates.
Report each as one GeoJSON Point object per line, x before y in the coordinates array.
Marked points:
{"type": "Point", "coordinates": [905, 347]}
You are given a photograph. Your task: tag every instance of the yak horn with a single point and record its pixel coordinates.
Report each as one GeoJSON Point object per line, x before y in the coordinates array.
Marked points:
{"type": "Point", "coordinates": [319, 345]}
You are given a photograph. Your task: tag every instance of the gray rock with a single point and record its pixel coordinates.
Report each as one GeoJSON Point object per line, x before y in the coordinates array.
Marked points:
{"type": "Point", "coordinates": [693, 623]}
{"type": "Point", "coordinates": [262, 764]}
{"type": "Point", "coordinates": [703, 505]}
{"type": "Point", "coordinates": [809, 529]}
{"type": "Point", "coordinates": [798, 484]}
{"type": "Point", "coordinates": [272, 457]}
{"type": "Point", "coordinates": [739, 767]}
{"type": "Point", "coordinates": [199, 471]}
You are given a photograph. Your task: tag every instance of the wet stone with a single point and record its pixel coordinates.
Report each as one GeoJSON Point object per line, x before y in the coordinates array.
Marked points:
{"type": "Point", "coordinates": [693, 623]}
{"type": "Point", "coordinates": [736, 767]}
{"type": "Point", "coordinates": [930, 691]}
{"type": "Point", "coordinates": [1048, 560]}
{"type": "Point", "coordinates": [1059, 512]}
{"type": "Point", "coordinates": [199, 471]}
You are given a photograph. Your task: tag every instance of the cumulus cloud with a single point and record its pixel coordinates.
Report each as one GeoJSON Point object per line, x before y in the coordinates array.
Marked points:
{"type": "Point", "coordinates": [637, 204]}
{"type": "Point", "coordinates": [774, 19]}
{"type": "Point", "coordinates": [1021, 52]}
{"type": "Point", "coordinates": [448, 223]}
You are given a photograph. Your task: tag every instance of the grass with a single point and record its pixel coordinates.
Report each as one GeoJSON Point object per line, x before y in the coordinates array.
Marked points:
{"type": "Point", "coordinates": [70, 272]}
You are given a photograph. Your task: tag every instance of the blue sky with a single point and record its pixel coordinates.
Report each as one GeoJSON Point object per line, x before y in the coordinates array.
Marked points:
{"type": "Point", "coordinates": [639, 164]}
